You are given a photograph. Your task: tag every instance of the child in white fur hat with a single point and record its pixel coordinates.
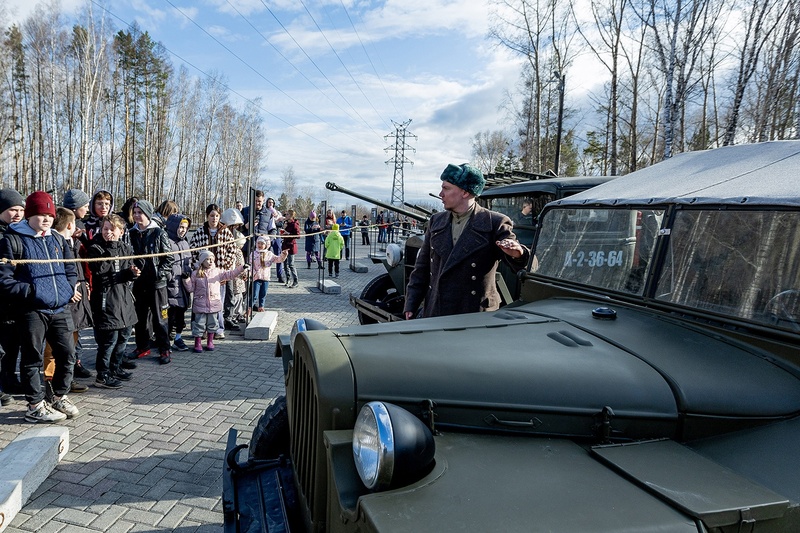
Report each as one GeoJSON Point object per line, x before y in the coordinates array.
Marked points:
{"type": "Point", "coordinates": [261, 260]}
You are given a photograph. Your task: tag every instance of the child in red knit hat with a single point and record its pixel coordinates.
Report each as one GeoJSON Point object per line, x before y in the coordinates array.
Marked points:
{"type": "Point", "coordinates": [41, 292]}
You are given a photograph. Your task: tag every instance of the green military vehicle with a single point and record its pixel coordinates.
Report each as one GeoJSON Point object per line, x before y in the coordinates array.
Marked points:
{"type": "Point", "coordinates": [647, 379]}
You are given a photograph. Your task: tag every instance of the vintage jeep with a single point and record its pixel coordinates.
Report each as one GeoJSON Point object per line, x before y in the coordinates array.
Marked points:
{"type": "Point", "coordinates": [648, 379]}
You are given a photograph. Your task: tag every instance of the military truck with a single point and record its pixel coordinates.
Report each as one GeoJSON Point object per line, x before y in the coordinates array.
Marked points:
{"type": "Point", "coordinates": [382, 299]}
{"type": "Point", "coordinates": [647, 379]}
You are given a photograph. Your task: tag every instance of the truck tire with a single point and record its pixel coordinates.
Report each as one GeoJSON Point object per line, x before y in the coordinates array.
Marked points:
{"type": "Point", "coordinates": [271, 435]}
{"type": "Point", "coordinates": [381, 292]}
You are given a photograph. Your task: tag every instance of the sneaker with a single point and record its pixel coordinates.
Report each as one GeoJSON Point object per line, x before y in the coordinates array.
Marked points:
{"type": "Point", "coordinates": [180, 345]}
{"type": "Point", "coordinates": [122, 375]}
{"type": "Point", "coordinates": [129, 364]}
{"type": "Point", "coordinates": [77, 387]}
{"type": "Point", "coordinates": [105, 381]}
{"type": "Point", "coordinates": [65, 406]}
{"type": "Point", "coordinates": [165, 358]}
{"type": "Point", "coordinates": [42, 412]}
{"type": "Point", "coordinates": [219, 336]}
{"type": "Point", "coordinates": [138, 354]}
{"type": "Point", "coordinates": [5, 399]}
{"type": "Point", "coordinates": [295, 284]}
{"type": "Point", "coordinates": [81, 371]}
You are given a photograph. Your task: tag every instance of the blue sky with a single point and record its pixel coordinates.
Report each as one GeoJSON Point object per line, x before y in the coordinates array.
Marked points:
{"type": "Point", "coordinates": [425, 60]}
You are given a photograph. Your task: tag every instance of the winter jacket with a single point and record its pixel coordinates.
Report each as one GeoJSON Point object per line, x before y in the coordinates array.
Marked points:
{"type": "Point", "coordinates": [45, 287]}
{"type": "Point", "coordinates": [454, 279]}
{"type": "Point", "coordinates": [156, 271]}
{"type": "Point", "coordinates": [290, 227]}
{"type": "Point", "coordinates": [112, 297]}
{"type": "Point", "coordinates": [261, 261]}
{"type": "Point", "coordinates": [81, 311]}
{"type": "Point", "coordinates": [206, 290]}
{"type": "Point", "coordinates": [223, 254]}
{"type": "Point", "coordinates": [177, 295]}
{"type": "Point", "coordinates": [334, 243]}
{"type": "Point", "coordinates": [312, 241]}
{"type": "Point", "coordinates": [345, 223]}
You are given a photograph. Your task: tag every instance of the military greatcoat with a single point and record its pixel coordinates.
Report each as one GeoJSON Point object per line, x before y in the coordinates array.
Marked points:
{"type": "Point", "coordinates": [453, 279]}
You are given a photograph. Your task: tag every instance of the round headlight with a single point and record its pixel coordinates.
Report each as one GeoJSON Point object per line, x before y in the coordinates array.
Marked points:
{"type": "Point", "coordinates": [390, 446]}
{"type": "Point", "coordinates": [304, 324]}
{"type": "Point", "coordinates": [394, 254]}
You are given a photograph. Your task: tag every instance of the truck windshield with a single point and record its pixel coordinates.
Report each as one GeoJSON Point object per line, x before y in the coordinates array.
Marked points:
{"type": "Point", "coordinates": [743, 264]}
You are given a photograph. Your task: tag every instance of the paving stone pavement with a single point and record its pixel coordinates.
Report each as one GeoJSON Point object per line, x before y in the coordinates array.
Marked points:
{"type": "Point", "coordinates": [148, 456]}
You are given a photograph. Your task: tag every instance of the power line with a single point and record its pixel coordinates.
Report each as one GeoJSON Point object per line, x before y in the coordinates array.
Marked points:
{"type": "Point", "coordinates": [226, 86]}
{"type": "Point", "coordinates": [368, 57]}
{"type": "Point", "coordinates": [317, 66]}
{"type": "Point", "coordinates": [245, 63]}
{"type": "Point", "coordinates": [343, 65]}
{"type": "Point", "coordinates": [264, 37]}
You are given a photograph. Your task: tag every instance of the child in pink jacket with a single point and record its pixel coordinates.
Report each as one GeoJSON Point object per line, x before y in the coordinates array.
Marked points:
{"type": "Point", "coordinates": [205, 282]}
{"type": "Point", "coordinates": [262, 259]}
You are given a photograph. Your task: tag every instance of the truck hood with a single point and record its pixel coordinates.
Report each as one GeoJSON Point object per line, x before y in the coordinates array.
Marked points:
{"type": "Point", "coordinates": [550, 368]}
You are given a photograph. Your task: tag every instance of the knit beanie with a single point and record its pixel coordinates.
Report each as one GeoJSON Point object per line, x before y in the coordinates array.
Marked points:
{"type": "Point", "coordinates": [466, 177]}
{"type": "Point", "coordinates": [335, 227]}
{"type": "Point", "coordinates": [39, 203]}
{"type": "Point", "coordinates": [75, 198]}
{"type": "Point", "coordinates": [146, 207]}
{"type": "Point", "coordinates": [205, 254]}
{"type": "Point", "coordinates": [312, 214]}
{"type": "Point", "coordinates": [10, 198]}
{"type": "Point", "coordinates": [265, 240]}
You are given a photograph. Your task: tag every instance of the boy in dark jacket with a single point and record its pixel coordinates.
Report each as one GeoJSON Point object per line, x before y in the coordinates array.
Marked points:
{"type": "Point", "coordinates": [41, 293]}
{"type": "Point", "coordinates": [112, 300]}
{"type": "Point", "coordinates": [179, 299]}
{"type": "Point", "coordinates": [150, 288]}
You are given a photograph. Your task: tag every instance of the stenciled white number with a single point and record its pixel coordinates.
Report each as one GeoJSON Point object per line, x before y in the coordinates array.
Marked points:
{"type": "Point", "coordinates": [596, 258]}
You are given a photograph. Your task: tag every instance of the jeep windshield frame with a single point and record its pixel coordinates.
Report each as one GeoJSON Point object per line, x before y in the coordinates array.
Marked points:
{"type": "Point", "coordinates": [740, 264]}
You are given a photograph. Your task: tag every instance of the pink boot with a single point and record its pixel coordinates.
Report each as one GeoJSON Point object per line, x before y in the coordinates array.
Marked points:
{"type": "Point", "coordinates": [198, 345]}
{"type": "Point", "coordinates": [210, 343]}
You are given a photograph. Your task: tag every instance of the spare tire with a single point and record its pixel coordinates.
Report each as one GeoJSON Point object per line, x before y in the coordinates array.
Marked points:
{"type": "Point", "coordinates": [271, 434]}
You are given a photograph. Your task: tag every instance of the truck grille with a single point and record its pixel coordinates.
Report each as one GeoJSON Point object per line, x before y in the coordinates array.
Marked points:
{"type": "Point", "coordinates": [304, 430]}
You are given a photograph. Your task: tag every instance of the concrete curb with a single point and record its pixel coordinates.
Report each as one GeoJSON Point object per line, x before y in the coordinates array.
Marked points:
{"type": "Point", "coordinates": [26, 463]}
{"type": "Point", "coordinates": [261, 326]}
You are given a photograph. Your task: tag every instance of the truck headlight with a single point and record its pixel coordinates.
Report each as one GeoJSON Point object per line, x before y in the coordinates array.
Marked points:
{"type": "Point", "coordinates": [391, 446]}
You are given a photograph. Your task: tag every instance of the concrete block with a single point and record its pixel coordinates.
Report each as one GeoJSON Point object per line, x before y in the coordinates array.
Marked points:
{"type": "Point", "coordinates": [329, 287]}
{"type": "Point", "coordinates": [261, 326]}
{"type": "Point", "coordinates": [26, 463]}
{"type": "Point", "coordinates": [360, 268]}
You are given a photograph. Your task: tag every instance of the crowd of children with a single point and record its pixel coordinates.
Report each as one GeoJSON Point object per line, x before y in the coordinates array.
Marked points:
{"type": "Point", "coordinates": [132, 273]}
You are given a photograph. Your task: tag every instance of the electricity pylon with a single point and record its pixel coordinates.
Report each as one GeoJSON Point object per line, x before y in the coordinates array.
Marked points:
{"type": "Point", "coordinates": [399, 159]}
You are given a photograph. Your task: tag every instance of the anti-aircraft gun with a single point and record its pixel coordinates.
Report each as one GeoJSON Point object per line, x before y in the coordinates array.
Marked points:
{"type": "Point", "coordinates": [382, 299]}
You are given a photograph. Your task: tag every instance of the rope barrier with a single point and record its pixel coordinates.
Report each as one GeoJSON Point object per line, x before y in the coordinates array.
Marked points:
{"type": "Point", "coordinates": [15, 262]}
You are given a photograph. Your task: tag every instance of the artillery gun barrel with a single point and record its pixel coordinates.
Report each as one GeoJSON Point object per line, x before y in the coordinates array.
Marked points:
{"type": "Point", "coordinates": [418, 208]}
{"type": "Point", "coordinates": [331, 186]}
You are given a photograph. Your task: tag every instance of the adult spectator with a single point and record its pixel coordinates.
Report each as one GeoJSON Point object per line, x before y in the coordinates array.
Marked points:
{"type": "Point", "coordinates": [455, 269]}
{"type": "Point", "coordinates": [345, 223]}
{"type": "Point", "coordinates": [150, 288]}
{"type": "Point", "coordinates": [212, 232]}
{"type": "Point", "coordinates": [266, 220]}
